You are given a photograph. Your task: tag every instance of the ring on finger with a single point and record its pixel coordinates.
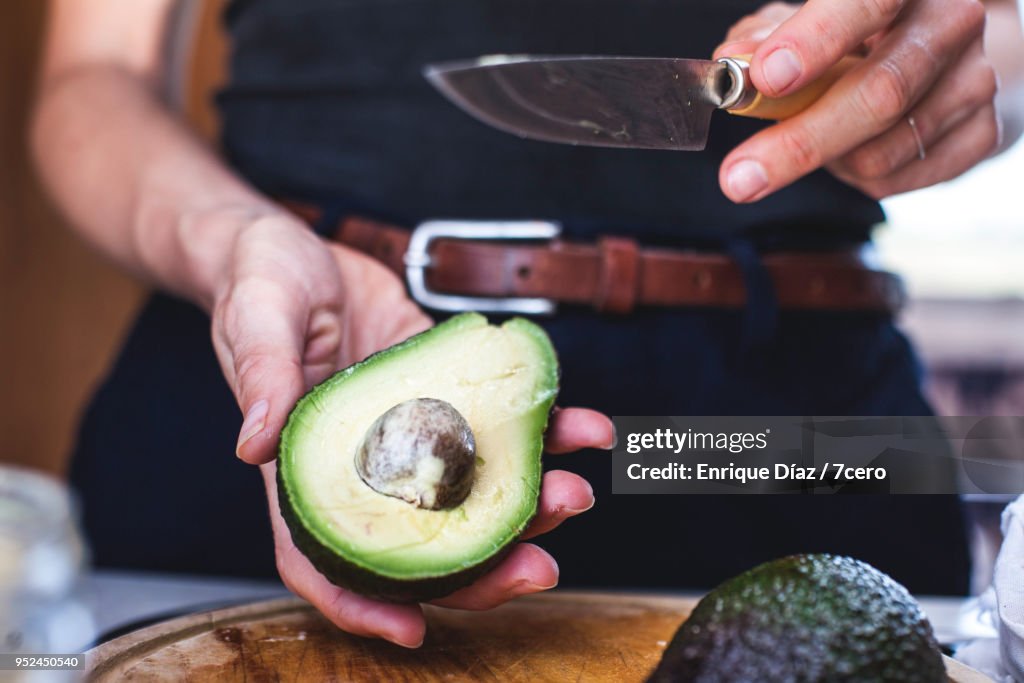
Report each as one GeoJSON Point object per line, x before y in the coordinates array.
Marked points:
{"type": "Point", "coordinates": [922, 154]}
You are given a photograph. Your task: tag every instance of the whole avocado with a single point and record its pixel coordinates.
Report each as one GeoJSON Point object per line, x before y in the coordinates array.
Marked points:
{"type": "Point", "coordinates": [805, 618]}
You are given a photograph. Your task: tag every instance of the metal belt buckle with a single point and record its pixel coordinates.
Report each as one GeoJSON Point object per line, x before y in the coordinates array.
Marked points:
{"type": "Point", "coordinates": [417, 260]}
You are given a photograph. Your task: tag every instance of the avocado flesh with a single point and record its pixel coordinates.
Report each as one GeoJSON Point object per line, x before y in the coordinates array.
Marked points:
{"type": "Point", "coordinates": [503, 380]}
{"type": "Point", "coordinates": [805, 618]}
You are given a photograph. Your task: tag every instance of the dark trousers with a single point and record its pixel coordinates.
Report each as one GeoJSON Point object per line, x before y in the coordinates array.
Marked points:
{"type": "Point", "coordinates": [161, 488]}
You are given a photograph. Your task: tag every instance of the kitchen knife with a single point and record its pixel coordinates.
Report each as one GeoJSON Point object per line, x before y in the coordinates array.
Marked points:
{"type": "Point", "coordinates": [636, 102]}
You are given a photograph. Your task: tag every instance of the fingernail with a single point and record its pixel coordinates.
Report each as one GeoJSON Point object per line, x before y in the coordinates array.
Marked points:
{"type": "Point", "coordinates": [555, 570]}
{"type": "Point", "coordinates": [745, 180]}
{"type": "Point", "coordinates": [255, 421]}
{"type": "Point", "coordinates": [590, 497]}
{"type": "Point", "coordinates": [615, 439]}
{"type": "Point", "coordinates": [781, 69]}
{"type": "Point", "coordinates": [528, 588]}
{"type": "Point", "coordinates": [572, 512]}
{"type": "Point", "coordinates": [409, 645]}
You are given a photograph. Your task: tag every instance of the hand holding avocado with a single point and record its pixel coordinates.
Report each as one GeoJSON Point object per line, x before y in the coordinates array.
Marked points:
{"type": "Point", "coordinates": [289, 310]}
{"type": "Point", "coordinates": [409, 475]}
{"type": "Point", "coordinates": [284, 319]}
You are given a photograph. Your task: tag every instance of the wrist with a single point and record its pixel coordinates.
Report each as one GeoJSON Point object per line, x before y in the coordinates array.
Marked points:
{"type": "Point", "coordinates": [209, 238]}
{"type": "Point", "coordinates": [194, 258]}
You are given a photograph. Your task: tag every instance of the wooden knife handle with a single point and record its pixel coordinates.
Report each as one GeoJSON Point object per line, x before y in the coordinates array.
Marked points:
{"type": "Point", "coordinates": [753, 104]}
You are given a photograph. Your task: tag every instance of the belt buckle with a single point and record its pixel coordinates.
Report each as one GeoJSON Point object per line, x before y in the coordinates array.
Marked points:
{"type": "Point", "coordinates": [417, 260]}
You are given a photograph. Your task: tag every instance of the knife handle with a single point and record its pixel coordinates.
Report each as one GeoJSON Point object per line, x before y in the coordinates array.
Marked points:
{"type": "Point", "coordinates": [743, 99]}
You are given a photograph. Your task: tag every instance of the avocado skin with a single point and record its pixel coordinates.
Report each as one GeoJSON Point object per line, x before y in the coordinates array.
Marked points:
{"type": "Point", "coordinates": [805, 618]}
{"type": "Point", "coordinates": [341, 572]}
{"type": "Point", "coordinates": [349, 575]}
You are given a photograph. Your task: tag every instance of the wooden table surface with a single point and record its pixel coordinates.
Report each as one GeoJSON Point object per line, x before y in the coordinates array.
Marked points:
{"type": "Point", "coordinates": [556, 636]}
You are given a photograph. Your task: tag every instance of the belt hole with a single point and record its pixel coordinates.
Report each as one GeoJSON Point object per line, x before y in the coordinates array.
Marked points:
{"type": "Point", "coordinates": [523, 272]}
{"type": "Point", "coordinates": [702, 279]}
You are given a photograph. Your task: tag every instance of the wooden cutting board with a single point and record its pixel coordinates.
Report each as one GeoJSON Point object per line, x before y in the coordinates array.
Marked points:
{"type": "Point", "coordinates": [556, 636]}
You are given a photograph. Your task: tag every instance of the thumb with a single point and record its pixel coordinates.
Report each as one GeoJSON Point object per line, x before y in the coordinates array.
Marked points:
{"type": "Point", "coordinates": [260, 346]}
{"type": "Point", "coordinates": [814, 39]}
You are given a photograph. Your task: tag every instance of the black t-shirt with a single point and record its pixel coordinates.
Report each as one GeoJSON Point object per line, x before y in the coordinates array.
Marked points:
{"type": "Point", "coordinates": [326, 101]}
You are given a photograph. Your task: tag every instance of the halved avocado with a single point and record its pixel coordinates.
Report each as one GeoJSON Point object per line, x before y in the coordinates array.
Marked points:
{"type": "Point", "coordinates": [502, 380]}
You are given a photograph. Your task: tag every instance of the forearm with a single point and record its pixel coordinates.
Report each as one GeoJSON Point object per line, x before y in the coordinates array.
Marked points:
{"type": "Point", "coordinates": [136, 183]}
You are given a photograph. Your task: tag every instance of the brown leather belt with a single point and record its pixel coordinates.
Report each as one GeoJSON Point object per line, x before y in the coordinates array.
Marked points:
{"type": "Point", "coordinates": [616, 275]}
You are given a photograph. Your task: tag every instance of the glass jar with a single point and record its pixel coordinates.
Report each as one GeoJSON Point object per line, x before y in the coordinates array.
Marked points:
{"type": "Point", "coordinates": [42, 558]}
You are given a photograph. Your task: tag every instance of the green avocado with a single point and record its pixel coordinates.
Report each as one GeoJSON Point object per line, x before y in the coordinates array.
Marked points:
{"type": "Point", "coordinates": [805, 618]}
{"type": "Point", "coordinates": [410, 474]}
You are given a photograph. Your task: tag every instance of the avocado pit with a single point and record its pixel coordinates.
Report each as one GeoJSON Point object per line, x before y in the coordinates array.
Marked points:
{"type": "Point", "coordinates": [421, 451]}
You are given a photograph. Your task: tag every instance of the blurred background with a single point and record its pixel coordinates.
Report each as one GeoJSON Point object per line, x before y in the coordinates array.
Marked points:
{"type": "Point", "coordinates": [960, 246]}
{"type": "Point", "coordinates": [63, 310]}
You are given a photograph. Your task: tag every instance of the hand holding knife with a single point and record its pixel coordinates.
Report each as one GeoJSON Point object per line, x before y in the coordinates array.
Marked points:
{"type": "Point", "coordinates": [916, 109]}
{"type": "Point", "coordinates": [634, 102]}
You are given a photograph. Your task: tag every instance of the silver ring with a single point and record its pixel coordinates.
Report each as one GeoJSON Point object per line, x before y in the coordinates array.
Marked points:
{"type": "Point", "coordinates": [921, 153]}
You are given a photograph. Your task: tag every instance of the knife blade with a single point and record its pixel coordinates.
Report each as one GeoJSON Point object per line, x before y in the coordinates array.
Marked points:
{"type": "Point", "coordinates": [633, 102]}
